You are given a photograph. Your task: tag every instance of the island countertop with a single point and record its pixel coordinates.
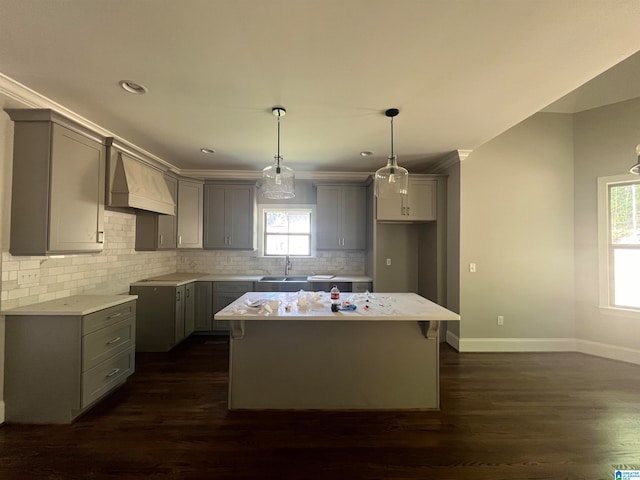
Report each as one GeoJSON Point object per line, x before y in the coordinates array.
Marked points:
{"type": "Point", "coordinates": [316, 306]}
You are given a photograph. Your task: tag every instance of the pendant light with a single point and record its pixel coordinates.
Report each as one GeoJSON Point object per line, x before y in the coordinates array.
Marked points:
{"type": "Point", "coordinates": [278, 179]}
{"type": "Point", "coordinates": [636, 168]}
{"type": "Point", "coordinates": [391, 181]}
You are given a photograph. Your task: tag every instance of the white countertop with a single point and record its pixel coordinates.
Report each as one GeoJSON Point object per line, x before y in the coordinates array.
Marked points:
{"type": "Point", "coordinates": [382, 306]}
{"type": "Point", "coordinates": [74, 305]}
{"type": "Point", "coordinates": [180, 278]}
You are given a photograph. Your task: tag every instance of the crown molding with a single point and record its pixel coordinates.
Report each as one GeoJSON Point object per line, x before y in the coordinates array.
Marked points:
{"type": "Point", "coordinates": [32, 99]}
{"type": "Point", "coordinates": [450, 159]}
{"type": "Point", "coordinates": [257, 175]}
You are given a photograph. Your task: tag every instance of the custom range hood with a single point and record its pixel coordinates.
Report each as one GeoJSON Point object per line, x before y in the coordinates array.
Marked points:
{"type": "Point", "coordinates": [135, 183]}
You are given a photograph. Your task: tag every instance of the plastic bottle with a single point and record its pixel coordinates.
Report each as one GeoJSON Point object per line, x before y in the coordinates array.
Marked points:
{"type": "Point", "coordinates": [335, 299]}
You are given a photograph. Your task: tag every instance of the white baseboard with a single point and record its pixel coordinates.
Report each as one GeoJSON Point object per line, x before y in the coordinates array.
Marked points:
{"type": "Point", "coordinates": [612, 352]}
{"type": "Point", "coordinates": [453, 340]}
{"type": "Point", "coordinates": [517, 345]}
{"type": "Point", "coordinates": [597, 349]}
{"type": "Point", "coordinates": [1, 412]}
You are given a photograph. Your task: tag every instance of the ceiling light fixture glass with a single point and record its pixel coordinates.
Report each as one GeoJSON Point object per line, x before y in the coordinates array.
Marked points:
{"type": "Point", "coordinates": [391, 181]}
{"type": "Point", "coordinates": [278, 179]}
{"type": "Point", "coordinates": [636, 168]}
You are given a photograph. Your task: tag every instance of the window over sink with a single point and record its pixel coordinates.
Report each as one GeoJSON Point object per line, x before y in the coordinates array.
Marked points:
{"type": "Point", "coordinates": [287, 231]}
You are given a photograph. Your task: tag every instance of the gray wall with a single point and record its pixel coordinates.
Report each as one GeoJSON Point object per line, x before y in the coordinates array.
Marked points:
{"type": "Point", "coordinates": [453, 244]}
{"type": "Point", "coordinates": [516, 224]}
{"type": "Point", "coordinates": [605, 141]}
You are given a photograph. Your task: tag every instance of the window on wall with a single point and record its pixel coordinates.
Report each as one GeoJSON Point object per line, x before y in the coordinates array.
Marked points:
{"type": "Point", "coordinates": [620, 242]}
{"type": "Point", "coordinates": [287, 231]}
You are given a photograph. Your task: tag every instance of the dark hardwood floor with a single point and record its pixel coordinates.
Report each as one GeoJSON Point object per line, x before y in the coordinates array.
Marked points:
{"type": "Point", "coordinates": [503, 416]}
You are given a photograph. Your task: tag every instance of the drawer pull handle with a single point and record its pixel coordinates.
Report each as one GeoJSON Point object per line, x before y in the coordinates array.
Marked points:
{"type": "Point", "coordinates": [117, 339]}
{"type": "Point", "coordinates": [112, 372]}
{"type": "Point", "coordinates": [114, 315]}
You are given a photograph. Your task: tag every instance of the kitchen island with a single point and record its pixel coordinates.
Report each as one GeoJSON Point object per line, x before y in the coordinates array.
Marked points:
{"type": "Point", "coordinates": [289, 351]}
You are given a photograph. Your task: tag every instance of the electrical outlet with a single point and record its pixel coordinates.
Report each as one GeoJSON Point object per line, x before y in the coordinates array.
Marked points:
{"type": "Point", "coordinates": [28, 276]}
{"type": "Point", "coordinates": [500, 320]}
{"type": "Point", "coordinates": [388, 262]}
{"type": "Point", "coordinates": [472, 267]}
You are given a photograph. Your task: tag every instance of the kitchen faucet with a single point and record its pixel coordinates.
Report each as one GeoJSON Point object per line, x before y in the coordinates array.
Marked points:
{"type": "Point", "coordinates": [287, 265]}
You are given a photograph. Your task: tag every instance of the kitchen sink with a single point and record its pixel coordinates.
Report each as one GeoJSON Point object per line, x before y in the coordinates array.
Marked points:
{"type": "Point", "coordinates": [283, 279]}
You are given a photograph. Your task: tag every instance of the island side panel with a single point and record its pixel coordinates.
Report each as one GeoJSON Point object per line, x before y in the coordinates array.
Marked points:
{"type": "Point", "coordinates": [284, 364]}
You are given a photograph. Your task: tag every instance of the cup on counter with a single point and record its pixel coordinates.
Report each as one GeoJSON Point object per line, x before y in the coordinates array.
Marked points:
{"type": "Point", "coordinates": [275, 305]}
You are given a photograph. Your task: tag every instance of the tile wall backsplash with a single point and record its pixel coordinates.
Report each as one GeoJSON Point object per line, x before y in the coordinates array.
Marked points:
{"type": "Point", "coordinates": [27, 280]}
{"type": "Point", "coordinates": [249, 263]}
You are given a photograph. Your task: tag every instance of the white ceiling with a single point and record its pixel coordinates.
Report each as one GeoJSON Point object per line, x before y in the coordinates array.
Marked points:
{"type": "Point", "coordinates": [460, 71]}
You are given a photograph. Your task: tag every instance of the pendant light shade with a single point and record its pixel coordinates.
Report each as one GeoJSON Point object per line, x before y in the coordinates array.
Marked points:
{"type": "Point", "coordinates": [391, 181]}
{"type": "Point", "coordinates": [636, 168]}
{"type": "Point", "coordinates": [278, 180]}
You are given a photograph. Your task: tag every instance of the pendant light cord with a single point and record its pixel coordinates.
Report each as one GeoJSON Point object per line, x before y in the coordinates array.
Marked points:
{"type": "Point", "coordinates": [278, 138]}
{"type": "Point", "coordinates": [392, 136]}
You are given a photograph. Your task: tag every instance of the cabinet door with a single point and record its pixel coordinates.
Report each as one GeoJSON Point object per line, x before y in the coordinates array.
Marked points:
{"type": "Point", "coordinates": [225, 293]}
{"type": "Point", "coordinates": [214, 222]}
{"type": "Point", "coordinates": [328, 233]}
{"type": "Point", "coordinates": [189, 309]}
{"type": "Point", "coordinates": [353, 218]}
{"type": "Point", "coordinates": [76, 222]}
{"type": "Point", "coordinates": [168, 224]}
{"type": "Point", "coordinates": [391, 208]}
{"type": "Point", "coordinates": [422, 200]}
{"type": "Point", "coordinates": [189, 214]}
{"type": "Point", "coordinates": [239, 216]}
{"type": "Point", "coordinates": [204, 306]}
{"type": "Point", "coordinates": [179, 314]}
{"type": "Point", "coordinates": [341, 218]}
{"type": "Point", "coordinates": [229, 217]}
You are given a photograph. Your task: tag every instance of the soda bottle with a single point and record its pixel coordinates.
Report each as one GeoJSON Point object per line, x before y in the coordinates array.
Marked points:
{"type": "Point", "coordinates": [335, 299]}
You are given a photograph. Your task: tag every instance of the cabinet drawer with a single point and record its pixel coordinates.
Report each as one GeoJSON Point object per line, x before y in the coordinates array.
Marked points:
{"type": "Point", "coordinates": [108, 316]}
{"type": "Point", "coordinates": [107, 375]}
{"type": "Point", "coordinates": [107, 342]}
{"type": "Point", "coordinates": [232, 287]}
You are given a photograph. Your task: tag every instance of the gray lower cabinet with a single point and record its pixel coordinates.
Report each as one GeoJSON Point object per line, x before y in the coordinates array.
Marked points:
{"type": "Point", "coordinates": [57, 199]}
{"type": "Point", "coordinates": [155, 231]}
{"type": "Point", "coordinates": [341, 217]}
{"type": "Point", "coordinates": [165, 316]}
{"type": "Point", "coordinates": [225, 293]}
{"type": "Point", "coordinates": [203, 306]}
{"type": "Point", "coordinates": [59, 366]}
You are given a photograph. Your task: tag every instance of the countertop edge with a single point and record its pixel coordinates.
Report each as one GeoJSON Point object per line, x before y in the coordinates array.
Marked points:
{"type": "Point", "coordinates": [66, 306]}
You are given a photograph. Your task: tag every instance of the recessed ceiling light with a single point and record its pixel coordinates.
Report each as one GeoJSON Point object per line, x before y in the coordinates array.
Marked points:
{"type": "Point", "coordinates": [133, 87]}
{"type": "Point", "coordinates": [366, 153]}
{"type": "Point", "coordinates": [208, 151]}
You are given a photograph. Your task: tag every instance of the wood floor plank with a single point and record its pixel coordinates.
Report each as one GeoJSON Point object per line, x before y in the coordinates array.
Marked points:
{"type": "Point", "coordinates": [504, 416]}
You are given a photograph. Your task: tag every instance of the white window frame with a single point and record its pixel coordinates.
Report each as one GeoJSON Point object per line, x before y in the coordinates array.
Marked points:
{"type": "Point", "coordinates": [604, 258]}
{"type": "Point", "coordinates": [290, 208]}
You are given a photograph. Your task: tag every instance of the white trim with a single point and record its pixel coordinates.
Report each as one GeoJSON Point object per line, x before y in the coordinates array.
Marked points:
{"type": "Point", "coordinates": [257, 175]}
{"type": "Point", "coordinates": [517, 345]}
{"type": "Point", "coordinates": [604, 273]}
{"type": "Point", "coordinates": [276, 206]}
{"type": "Point", "coordinates": [449, 160]}
{"type": "Point", "coordinates": [453, 340]}
{"type": "Point", "coordinates": [606, 350]}
{"type": "Point", "coordinates": [1, 412]}
{"type": "Point", "coordinates": [620, 312]}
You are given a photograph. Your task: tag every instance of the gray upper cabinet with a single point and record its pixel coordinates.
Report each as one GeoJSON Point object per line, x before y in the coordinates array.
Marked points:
{"type": "Point", "coordinates": [189, 213]}
{"type": "Point", "coordinates": [229, 216]}
{"type": "Point", "coordinates": [155, 231]}
{"type": "Point", "coordinates": [420, 205]}
{"type": "Point", "coordinates": [341, 217]}
{"type": "Point", "coordinates": [57, 199]}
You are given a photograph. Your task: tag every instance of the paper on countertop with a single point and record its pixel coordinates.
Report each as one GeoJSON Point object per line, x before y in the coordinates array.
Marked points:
{"type": "Point", "coordinates": [321, 277]}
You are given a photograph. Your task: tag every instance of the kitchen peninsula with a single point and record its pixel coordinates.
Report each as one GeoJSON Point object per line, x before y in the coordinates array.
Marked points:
{"type": "Point", "coordinates": [289, 351]}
